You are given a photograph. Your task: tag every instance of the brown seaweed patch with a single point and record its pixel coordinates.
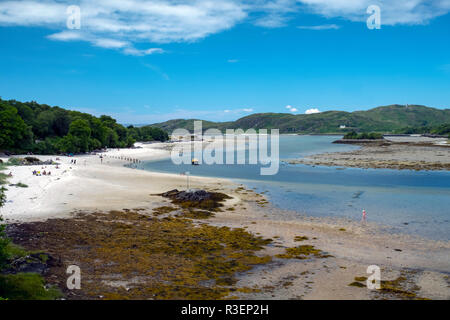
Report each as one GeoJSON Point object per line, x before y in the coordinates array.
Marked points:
{"type": "Point", "coordinates": [302, 252]}
{"type": "Point", "coordinates": [397, 287]}
{"type": "Point", "coordinates": [357, 284]}
{"type": "Point", "coordinates": [360, 278]}
{"type": "Point", "coordinates": [163, 210]}
{"type": "Point", "coordinates": [171, 258]}
{"type": "Point", "coordinates": [197, 214]}
{"type": "Point", "coordinates": [400, 287]}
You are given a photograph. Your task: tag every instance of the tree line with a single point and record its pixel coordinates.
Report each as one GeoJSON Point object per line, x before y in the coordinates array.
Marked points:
{"type": "Point", "coordinates": [443, 130]}
{"type": "Point", "coordinates": [353, 135]}
{"type": "Point", "coordinates": [42, 129]}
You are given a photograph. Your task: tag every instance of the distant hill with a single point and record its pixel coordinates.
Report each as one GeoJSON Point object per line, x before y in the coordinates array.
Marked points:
{"type": "Point", "coordinates": [387, 119]}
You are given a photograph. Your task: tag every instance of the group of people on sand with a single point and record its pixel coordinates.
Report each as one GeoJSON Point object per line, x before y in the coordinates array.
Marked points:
{"type": "Point", "coordinates": [44, 173]}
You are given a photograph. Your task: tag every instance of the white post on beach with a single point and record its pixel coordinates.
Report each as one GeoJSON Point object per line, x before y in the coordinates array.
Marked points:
{"type": "Point", "coordinates": [187, 176]}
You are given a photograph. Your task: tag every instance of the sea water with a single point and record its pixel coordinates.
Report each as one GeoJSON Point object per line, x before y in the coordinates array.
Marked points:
{"type": "Point", "coordinates": [415, 202]}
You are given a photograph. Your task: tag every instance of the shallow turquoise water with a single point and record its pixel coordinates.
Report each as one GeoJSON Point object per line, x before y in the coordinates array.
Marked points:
{"type": "Point", "coordinates": [409, 201]}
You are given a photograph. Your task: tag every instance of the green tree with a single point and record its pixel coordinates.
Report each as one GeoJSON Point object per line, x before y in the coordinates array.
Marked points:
{"type": "Point", "coordinates": [351, 135]}
{"type": "Point", "coordinates": [112, 139]}
{"type": "Point", "coordinates": [67, 144]}
{"type": "Point", "coordinates": [14, 133]}
{"type": "Point", "coordinates": [61, 122]}
{"type": "Point", "coordinates": [99, 131]}
{"type": "Point", "coordinates": [81, 133]}
{"type": "Point", "coordinates": [44, 124]}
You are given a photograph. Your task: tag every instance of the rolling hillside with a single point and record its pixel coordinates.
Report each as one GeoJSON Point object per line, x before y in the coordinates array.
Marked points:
{"type": "Point", "coordinates": [386, 119]}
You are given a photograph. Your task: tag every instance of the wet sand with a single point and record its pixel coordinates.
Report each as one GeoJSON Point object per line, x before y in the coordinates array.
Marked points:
{"type": "Point", "coordinates": [401, 154]}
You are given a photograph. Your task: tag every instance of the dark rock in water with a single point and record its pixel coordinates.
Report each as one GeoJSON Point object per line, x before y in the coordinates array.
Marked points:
{"type": "Point", "coordinates": [195, 195]}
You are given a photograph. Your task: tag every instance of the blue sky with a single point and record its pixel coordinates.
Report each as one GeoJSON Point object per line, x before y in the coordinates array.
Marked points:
{"type": "Point", "coordinates": [150, 61]}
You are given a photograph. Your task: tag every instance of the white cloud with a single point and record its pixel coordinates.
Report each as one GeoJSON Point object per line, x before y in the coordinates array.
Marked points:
{"type": "Point", "coordinates": [238, 111]}
{"type": "Point", "coordinates": [393, 12]}
{"type": "Point", "coordinates": [320, 27]}
{"type": "Point", "coordinates": [67, 36]}
{"type": "Point", "coordinates": [137, 52]}
{"type": "Point", "coordinates": [123, 24]}
{"type": "Point", "coordinates": [275, 13]}
{"type": "Point", "coordinates": [312, 111]}
{"type": "Point", "coordinates": [291, 108]}
{"type": "Point", "coordinates": [110, 43]}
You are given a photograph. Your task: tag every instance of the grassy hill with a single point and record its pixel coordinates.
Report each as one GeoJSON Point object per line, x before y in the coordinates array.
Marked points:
{"type": "Point", "coordinates": [386, 119]}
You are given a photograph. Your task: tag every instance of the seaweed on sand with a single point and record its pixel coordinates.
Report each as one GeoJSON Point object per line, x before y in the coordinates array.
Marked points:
{"type": "Point", "coordinates": [302, 252]}
{"type": "Point", "coordinates": [127, 255]}
{"type": "Point", "coordinates": [163, 210]}
{"type": "Point", "coordinates": [401, 287]}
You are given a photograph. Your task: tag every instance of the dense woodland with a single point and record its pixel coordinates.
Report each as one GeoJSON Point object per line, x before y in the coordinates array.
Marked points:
{"type": "Point", "coordinates": [41, 129]}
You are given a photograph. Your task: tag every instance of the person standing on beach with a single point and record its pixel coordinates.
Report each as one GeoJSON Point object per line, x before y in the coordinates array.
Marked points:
{"type": "Point", "coordinates": [363, 216]}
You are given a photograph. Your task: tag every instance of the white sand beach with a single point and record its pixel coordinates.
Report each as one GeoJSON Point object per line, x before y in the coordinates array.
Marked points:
{"type": "Point", "coordinates": [90, 184]}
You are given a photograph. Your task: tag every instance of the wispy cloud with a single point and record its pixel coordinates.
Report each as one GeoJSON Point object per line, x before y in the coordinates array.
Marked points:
{"type": "Point", "coordinates": [393, 12]}
{"type": "Point", "coordinates": [320, 27]}
{"type": "Point", "coordinates": [312, 111]}
{"type": "Point", "coordinates": [127, 24]}
{"type": "Point", "coordinates": [121, 24]}
{"type": "Point", "coordinates": [292, 109]}
{"type": "Point", "coordinates": [238, 111]}
{"type": "Point", "coordinates": [158, 70]}
{"type": "Point", "coordinates": [233, 61]}
{"type": "Point", "coordinates": [146, 52]}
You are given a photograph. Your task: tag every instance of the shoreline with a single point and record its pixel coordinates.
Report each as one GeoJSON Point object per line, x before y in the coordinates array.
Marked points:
{"type": "Point", "coordinates": [397, 155]}
{"type": "Point", "coordinates": [92, 187]}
